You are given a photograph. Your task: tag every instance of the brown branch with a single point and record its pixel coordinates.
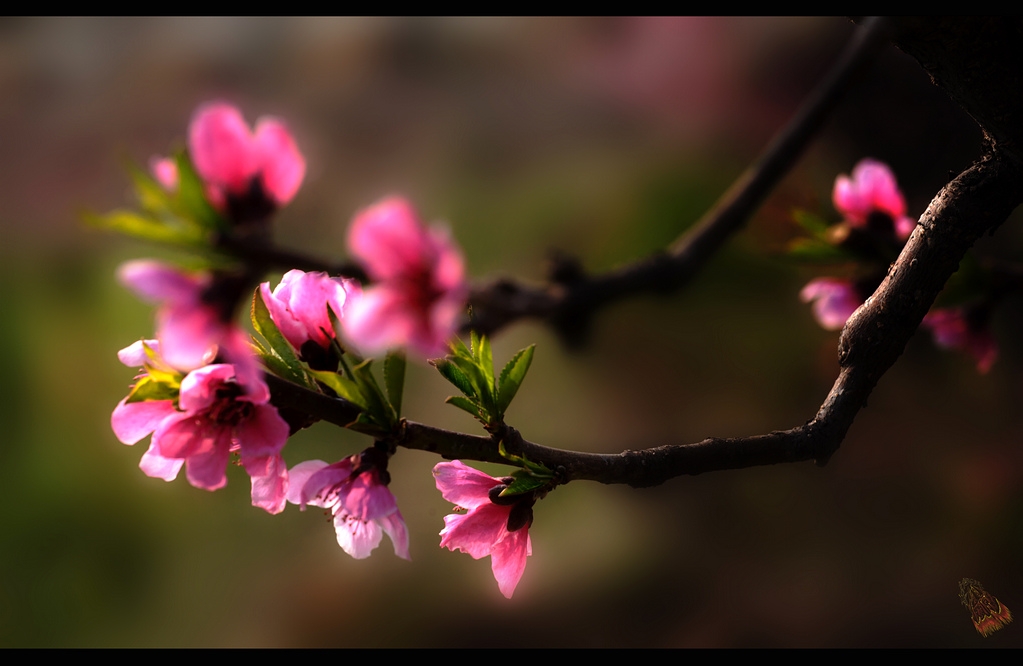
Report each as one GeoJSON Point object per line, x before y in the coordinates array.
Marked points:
{"type": "Point", "coordinates": [569, 302]}
{"type": "Point", "coordinates": [976, 202]}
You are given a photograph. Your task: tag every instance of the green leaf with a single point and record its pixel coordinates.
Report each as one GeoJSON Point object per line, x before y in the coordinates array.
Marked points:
{"type": "Point", "coordinates": [485, 361]}
{"type": "Point", "coordinates": [343, 386]}
{"type": "Point", "coordinates": [466, 404]}
{"type": "Point", "coordinates": [458, 348]}
{"type": "Point", "coordinates": [394, 378]}
{"type": "Point", "coordinates": [483, 388]}
{"type": "Point", "coordinates": [474, 341]}
{"type": "Point", "coordinates": [511, 378]}
{"type": "Point", "coordinates": [451, 373]}
{"type": "Point", "coordinates": [817, 251]}
{"type": "Point", "coordinates": [280, 347]}
{"type": "Point", "coordinates": [191, 197]}
{"type": "Point", "coordinates": [377, 405]}
{"type": "Point", "coordinates": [365, 424]}
{"type": "Point", "coordinates": [811, 222]}
{"type": "Point", "coordinates": [148, 228]}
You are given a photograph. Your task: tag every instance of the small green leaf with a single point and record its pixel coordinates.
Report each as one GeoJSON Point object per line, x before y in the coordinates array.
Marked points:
{"type": "Point", "coordinates": [394, 378]}
{"type": "Point", "coordinates": [817, 251]}
{"type": "Point", "coordinates": [485, 361]}
{"type": "Point", "coordinates": [343, 386]}
{"type": "Point", "coordinates": [458, 348]}
{"type": "Point", "coordinates": [451, 373]}
{"type": "Point", "coordinates": [379, 408]}
{"type": "Point", "coordinates": [811, 222]}
{"type": "Point", "coordinates": [466, 404]}
{"type": "Point", "coordinates": [483, 388]}
{"type": "Point", "coordinates": [511, 377]}
{"type": "Point", "coordinates": [148, 228]}
{"type": "Point", "coordinates": [191, 197]}
{"type": "Point", "coordinates": [474, 341]}
{"type": "Point", "coordinates": [365, 424]}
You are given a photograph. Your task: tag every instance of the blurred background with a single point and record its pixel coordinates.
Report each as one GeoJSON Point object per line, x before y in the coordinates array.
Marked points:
{"type": "Point", "coordinates": [604, 138]}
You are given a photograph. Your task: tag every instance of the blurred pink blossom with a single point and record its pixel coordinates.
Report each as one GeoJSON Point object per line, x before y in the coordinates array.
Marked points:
{"type": "Point", "coordinates": [952, 329]}
{"type": "Point", "coordinates": [484, 529]}
{"type": "Point", "coordinates": [299, 307]}
{"type": "Point", "coordinates": [165, 170]}
{"type": "Point", "coordinates": [237, 163]}
{"type": "Point", "coordinates": [834, 300]}
{"type": "Point", "coordinates": [363, 508]}
{"type": "Point", "coordinates": [420, 290]}
{"type": "Point", "coordinates": [872, 190]}
{"type": "Point", "coordinates": [216, 414]}
{"type": "Point", "coordinates": [191, 330]}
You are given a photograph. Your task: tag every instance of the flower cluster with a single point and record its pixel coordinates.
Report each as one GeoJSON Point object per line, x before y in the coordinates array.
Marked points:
{"type": "Point", "coordinates": [874, 228]}
{"type": "Point", "coordinates": [201, 394]}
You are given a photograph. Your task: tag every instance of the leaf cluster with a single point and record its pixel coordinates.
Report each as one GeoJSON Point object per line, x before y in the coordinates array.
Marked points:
{"type": "Point", "coordinates": [471, 369]}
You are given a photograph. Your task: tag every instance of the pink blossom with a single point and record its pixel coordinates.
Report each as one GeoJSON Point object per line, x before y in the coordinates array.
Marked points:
{"type": "Point", "coordinates": [952, 329]}
{"type": "Point", "coordinates": [299, 307]}
{"type": "Point", "coordinates": [215, 415]}
{"type": "Point", "coordinates": [420, 289]}
{"type": "Point", "coordinates": [236, 163]}
{"type": "Point", "coordinates": [834, 301]}
{"type": "Point", "coordinates": [871, 190]}
{"type": "Point", "coordinates": [165, 170]}
{"type": "Point", "coordinates": [484, 529]}
{"type": "Point", "coordinates": [363, 508]}
{"type": "Point", "coordinates": [191, 329]}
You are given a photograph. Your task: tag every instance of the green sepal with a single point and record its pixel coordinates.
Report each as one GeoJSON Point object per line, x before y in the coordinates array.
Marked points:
{"type": "Point", "coordinates": [525, 482]}
{"type": "Point", "coordinates": [394, 378]}
{"type": "Point", "coordinates": [465, 404]}
{"type": "Point", "coordinates": [157, 385]}
{"type": "Point", "coordinates": [290, 367]}
{"type": "Point", "coordinates": [511, 378]}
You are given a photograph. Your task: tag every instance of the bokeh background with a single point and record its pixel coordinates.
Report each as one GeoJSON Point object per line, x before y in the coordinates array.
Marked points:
{"type": "Point", "coordinates": [604, 138]}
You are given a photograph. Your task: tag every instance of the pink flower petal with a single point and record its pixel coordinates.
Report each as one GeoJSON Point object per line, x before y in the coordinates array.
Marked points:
{"type": "Point", "coordinates": [270, 482]}
{"type": "Point", "coordinates": [282, 165]}
{"type": "Point", "coordinates": [156, 466]}
{"type": "Point", "coordinates": [462, 485]}
{"type": "Point", "coordinates": [834, 301]}
{"type": "Point", "coordinates": [222, 147]}
{"type": "Point", "coordinates": [133, 421]}
{"type": "Point", "coordinates": [357, 537]}
{"type": "Point", "coordinates": [394, 526]}
{"type": "Point", "coordinates": [508, 560]}
{"type": "Point", "coordinates": [264, 433]}
{"type": "Point", "coordinates": [476, 532]}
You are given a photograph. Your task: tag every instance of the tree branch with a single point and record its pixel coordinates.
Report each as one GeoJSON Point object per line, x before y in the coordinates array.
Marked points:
{"type": "Point", "coordinates": [570, 301]}
{"type": "Point", "coordinates": [977, 201]}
